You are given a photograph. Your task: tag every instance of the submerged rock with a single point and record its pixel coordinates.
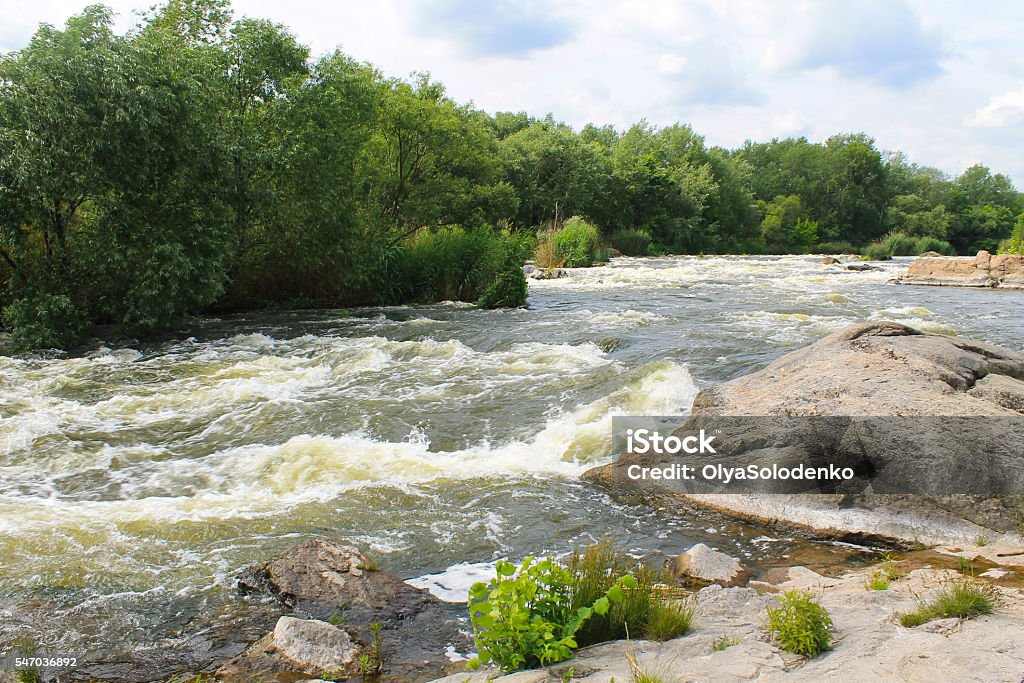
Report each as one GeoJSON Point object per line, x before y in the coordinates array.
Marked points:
{"type": "Point", "coordinates": [334, 586]}
{"type": "Point", "coordinates": [874, 369]}
{"type": "Point", "coordinates": [1005, 271]}
{"type": "Point", "coordinates": [707, 564]}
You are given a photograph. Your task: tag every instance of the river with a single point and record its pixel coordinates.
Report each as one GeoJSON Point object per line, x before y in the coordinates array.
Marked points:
{"type": "Point", "coordinates": [135, 480]}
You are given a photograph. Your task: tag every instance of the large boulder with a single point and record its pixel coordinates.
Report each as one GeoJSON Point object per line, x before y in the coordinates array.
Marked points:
{"type": "Point", "coordinates": [340, 595]}
{"type": "Point", "coordinates": [874, 369]}
{"type": "Point", "coordinates": [1005, 271]}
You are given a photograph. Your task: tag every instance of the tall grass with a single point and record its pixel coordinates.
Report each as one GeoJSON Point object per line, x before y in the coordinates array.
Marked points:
{"type": "Point", "coordinates": [654, 609]}
{"type": "Point", "coordinates": [577, 244]}
{"type": "Point", "coordinates": [631, 242]}
{"type": "Point", "coordinates": [454, 264]}
{"type": "Point", "coordinates": [961, 598]}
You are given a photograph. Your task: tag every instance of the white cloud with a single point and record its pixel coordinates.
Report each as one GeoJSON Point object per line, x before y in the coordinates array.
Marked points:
{"type": "Point", "coordinates": [1004, 110]}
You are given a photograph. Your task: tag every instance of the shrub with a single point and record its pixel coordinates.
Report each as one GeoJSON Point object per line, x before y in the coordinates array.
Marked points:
{"type": "Point", "coordinates": [509, 288]}
{"type": "Point", "coordinates": [546, 253]}
{"type": "Point", "coordinates": [1014, 244]}
{"type": "Point", "coordinates": [578, 243]}
{"type": "Point", "coordinates": [934, 244]}
{"type": "Point", "coordinates": [901, 244]}
{"type": "Point", "coordinates": [43, 321]}
{"type": "Point", "coordinates": [525, 617]}
{"type": "Point", "coordinates": [631, 242]}
{"type": "Point", "coordinates": [961, 598]}
{"type": "Point", "coordinates": [800, 624]}
{"type": "Point", "coordinates": [876, 251]}
{"type": "Point", "coordinates": [454, 264]}
{"type": "Point", "coordinates": [836, 248]}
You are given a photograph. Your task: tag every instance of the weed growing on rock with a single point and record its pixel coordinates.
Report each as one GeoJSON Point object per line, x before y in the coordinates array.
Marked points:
{"type": "Point", "coordinates": [671, 618]}
{"type": "Point", "coordinates": [371, 662]}
{"type": "Point", "coordinates": [878, 581]}
{"type": "Point", "coordinates": [800, 624]}
{"type": "Point", "coordinates": [724, 643]}
{"type": "Point", "coordinates": [961, 598]}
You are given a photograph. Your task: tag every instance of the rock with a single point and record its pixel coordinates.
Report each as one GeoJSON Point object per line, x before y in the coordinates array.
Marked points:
{"type": "Point", "coordinates": [306, 646]}
{"type": "Point", "coordinates": [1005, 271]}
{"type": "Point", "coordinates": [535, 273]}
{"type": "Point", "coordinates": [861, 266]}
{"type": "Point", "coordinates": [707, 564]}
{"type": "Point", "coordinates": [997, 574]}
{"type": "Point", "coordinates": [930, 254]}
{"type": "Point", "coordinates": [829, 260]}
{"type": "Point", "coordinates": [613, 252]}
{"type": "Point", "coordinates": [324, 578]}
{"type": "Point", "coordinates": [868, 643]}
{"type": "Point", "coordinates": [872, 369]}
{"type": "Point", "coordinates": [941, 626]}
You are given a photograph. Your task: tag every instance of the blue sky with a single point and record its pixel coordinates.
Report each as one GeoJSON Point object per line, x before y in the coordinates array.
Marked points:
{"type": "Point", "coordinates": [941, 80]}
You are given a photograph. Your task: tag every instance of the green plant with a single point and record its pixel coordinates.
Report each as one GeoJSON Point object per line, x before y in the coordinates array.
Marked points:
{"type": "Point", "coordinates": [508, 288]}
{"type": "Point", "coordinates": [371, 661]}
{"type": "Point", "coordinates": [800, 624]}
{"type": "Point", "coordinates": [578, 243]}
{"type": "Point", "coordinates": [1014, 244]}
{"type": "Point", "coordinates": [631, 242]}
{"type": "Point", "coordinates": [337, 617]}
{"type": "Point", "coordinates": [981, 541]}
{"type": "Point", "coordinates": [835, 248]}
{"type": "Point", "coordinates": [524, 617]}
{"type": "Point", "coordinates": [925, 244]}
{"type": "Point", "coordinates": [670, 618]}
{"type": "Point", "coordinates": [43, 321]}
{"type": "Point", "coordinates": [369, 565]}
{"type": "Point", "coordinates": [877, 581]}
{"type": "Point", "coordinates": [961, 598]}
{"type": "Point", "coordinates": [642, 675]}
{"type": "Point", "coordinates": [964, 566]}
{"type": "Point", "coordinates": [876, 251]}
{"type": "Point", "coordinates": [594, 570]}
{"type": "Point", "coordinates": [892, 571]}
{"type": "Point", "coordinates": [724, 643]}
{"type": "Point", "coordinates": [568, 674]}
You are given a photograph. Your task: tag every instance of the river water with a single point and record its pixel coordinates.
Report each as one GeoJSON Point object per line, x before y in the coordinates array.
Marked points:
{"type": "Point", "coordinates": [136, 480]}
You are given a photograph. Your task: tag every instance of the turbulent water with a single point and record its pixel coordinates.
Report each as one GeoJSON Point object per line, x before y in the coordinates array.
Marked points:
{"type": "Point", "coordinates": [135, 481]}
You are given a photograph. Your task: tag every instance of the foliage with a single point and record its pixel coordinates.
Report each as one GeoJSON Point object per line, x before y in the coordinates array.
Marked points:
{"type": "Point", "coordinates": [877, 581]}
{"type": "Point", "coordinates": [631, 242]}
{"type": "Point", "coordinates": [525, 617]}
{"type": "Point", "coordinates": [724, 643]}
{"type": "Point", "coordinates": [43, 321]}
{"type": "Point", "coordinates": [800, 624]}
{"type": "Point", "coordinates": [1014, 244]}
{"type": "Point", "coordinates": [578, 243]}
{"type": "Point", "coordinates": [371, 660]}
{"type": "Point", "coordinates": [508, 288]}
{"type": "Point", "coordinates": [876, 251]}
{"type": "Point", "coordinates": [203, 162]}
{"type": "Point", "coordinates": [669, 619]}
{"type": "Point", "coordinates": [961, 598]}
{"type": "Point", "coordinates": [835, 248]}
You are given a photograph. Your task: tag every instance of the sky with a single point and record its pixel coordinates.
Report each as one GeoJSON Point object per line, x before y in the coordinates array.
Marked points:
{"type": "Point", "coordinates": [941, 80]}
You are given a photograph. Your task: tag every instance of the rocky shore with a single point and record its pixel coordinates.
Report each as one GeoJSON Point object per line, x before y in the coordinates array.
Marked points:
{"type": "Point", "coordinates": [873, 369]}
{"type": "Point", "coordinates": [1003, 271]}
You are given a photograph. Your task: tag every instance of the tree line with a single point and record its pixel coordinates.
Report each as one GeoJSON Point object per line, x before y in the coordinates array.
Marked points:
{"type": "Point", "coordinates": [201, 162]}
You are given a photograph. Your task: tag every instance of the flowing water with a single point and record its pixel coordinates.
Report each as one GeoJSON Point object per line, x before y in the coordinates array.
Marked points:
{"type": "Point", "coordinates": [135, 481]}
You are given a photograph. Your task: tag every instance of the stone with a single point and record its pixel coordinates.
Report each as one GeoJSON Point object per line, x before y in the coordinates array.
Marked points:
{"type": "Point", "coordinates": [870, 369]}
{"type": "Point", "coordinates": [1004, 271]}
{"type": "Point", "coordinates": [326, 577]}
{"type": "Point", "coordinates": [707, 564]}
{"type": "Point", "coordinates": [312, 646]}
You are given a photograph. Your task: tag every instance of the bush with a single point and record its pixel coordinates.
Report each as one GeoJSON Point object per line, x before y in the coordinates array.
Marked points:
{"type": "Point", "coordinates": [836, 248]}
{"type": "Point", "coordinates": [934, 244]}
{"type": "Point", "coordinates": [961, 598]}
{"type": "Point", "coordinates": [509, 288]}
{"type": "Point", "coordinates": [454, 264]}
{"type": "Point", "coordinates": [631, 242]}
{"type": "Point", "coordinates": [876, 251]}
{"type": "Point", "coordinates": [578, 243]}
{"type": "Point", "coordinates": [525, 616]}
{"type": "Point", "coordinates": [43, 321]}
{"type": "Point", "coordinates": [800, 624]}
{"type": "Point", "coordinates": [1014, 244]}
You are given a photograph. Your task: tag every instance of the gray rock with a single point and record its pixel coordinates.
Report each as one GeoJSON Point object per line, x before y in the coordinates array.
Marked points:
{"type": "Point", "coordinates": [312, 646]}
{"type": "Point", "coordinates": [707, 564]}
{"type": "Point", "coordinates": [325, 577]}
{"type": "Point", "coordinates": [874, 369]}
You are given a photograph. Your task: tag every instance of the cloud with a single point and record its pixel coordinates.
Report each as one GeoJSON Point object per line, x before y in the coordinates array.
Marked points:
{"type": "Point", "coordinates": [1003, 110]}
{"type": "Point", "coordinates": [702, 73]}
{"type": "Point", "coordinates": [508, 28]}
{"type": "Point", "coordinates": [882, 41]}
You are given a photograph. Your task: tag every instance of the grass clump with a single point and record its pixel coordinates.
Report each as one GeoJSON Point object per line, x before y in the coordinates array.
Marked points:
{"type": "Point", "coordinates": [577, 244]}
{"type": "Point", "coordinates": [877, 581]}
{"type": "Point", "coordinates": [876, 251]}
{"type": "Point", "coordinates": [962, 599]}
{"type": "Point", "coordinates": [724, 643]}
{"type": "Point", "coordinates": [631, 242]}
{"type": "Point", "coordinates": [653, 608]}
{"type": "Point", "coordinates": [800, 624]}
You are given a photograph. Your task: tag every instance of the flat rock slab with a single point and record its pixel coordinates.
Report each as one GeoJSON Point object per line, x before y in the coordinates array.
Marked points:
{"type": "Point", "coordinates": [869, 645]}
{"type": "Point", "coordinates": [874, 369]}
{"type": "Point", "coordinates": [1003, 271]}
{"type": "Point", "coordinates": [707, 564]}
